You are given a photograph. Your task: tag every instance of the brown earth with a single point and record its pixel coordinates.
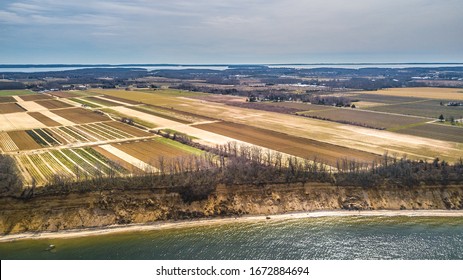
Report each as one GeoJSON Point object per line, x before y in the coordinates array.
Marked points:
{"type": "Point", "coordinates": [296, 146]}
{"type": "Point", "coordinates": [105, 208]}
{"type": "Point", "coordinates": [7, 99]}
{"type": "Point", "coordinates": [118, 160]}
{"type": "Point", "coordinates": [43, 119]}
{"type": "Point", "coordinates": [121, 99]}
{"type": "Point", "coordinates": [53, 104]}
{"type": "Point", "coordinates": [7, 108]}
{"type": "Point", "coordinates": [63, 94]}
{"type": "Point", "coordinates": [35, 97]}
{"type": "Point", "coordinates": [79, 115]}
{"type": "Point", "coordinates": [23, 140]}
{"type": "Point", "coordinates": [149, 151]}
{"type": "Point", "coordinates": [101, 101]}
{"type": "Point", "coordinates": [364, 118]}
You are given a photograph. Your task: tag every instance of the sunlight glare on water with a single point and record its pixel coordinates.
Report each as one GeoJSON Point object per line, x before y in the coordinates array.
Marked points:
{"type": "Point", "coordinates": [308, 238]}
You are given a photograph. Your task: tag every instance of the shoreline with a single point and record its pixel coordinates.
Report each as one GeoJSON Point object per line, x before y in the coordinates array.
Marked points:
{"type": "Point", "coordinates": [160, 225]}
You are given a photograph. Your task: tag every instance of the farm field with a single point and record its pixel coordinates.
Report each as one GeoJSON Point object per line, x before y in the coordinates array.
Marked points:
{"type": "Point", "coordinates": [43, 119]}
{"type": "Point", "coordinates": [7, 99]}
{"type": "Point", "coordinates": [436, 131]}
{"type": "Point", "coordinates": [375, 97]}
{"type": "Point", "coordinates": [159, 113]}
{"type": "Point", "coordinates": [64, 94]}
{"type": "Point", "coordinates": [35, 97]}
{"type": "Point", "coordinates": [364, 118]}
{"type": "Point", "coordinates": [53, 104]}
{"type": "Point", "coordinates": [354, 137]}
{"type": "Point", "coordinates": [23, 140]}
{"type": "Point", "coordinates": [79, 115]}
{"type": "Point", "coordinates": [123, 100]}
{"type": "Point", "coordinates": [99, 101]}
{"type": "Point", "coordinates": [15, 92]}
{"type": "Point", "coordinates": [423, 92]}
{"type": "Point", "coordinates": [296, 146]}
{"type": "Point", "coordinates": [424, 108]}
{"type": "Point", "coordinates": [6, 108]}
{"type": "Point", "coordinates": [55, 138]}
{"type": "Point", "coordinates": [162, 97]}
{"type": "Point", "coordinates": [296, 106]}
{"type": "Point", "coordinates": [128, 129]}
{"type": "Point", "coordinates": [150, 151]}
{"type": "Point", "coordinates": [18, 121]}
{"type": "Point", "coordinates": [67, 164]}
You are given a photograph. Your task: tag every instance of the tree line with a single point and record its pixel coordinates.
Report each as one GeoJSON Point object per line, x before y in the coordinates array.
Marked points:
{"type": "Point", "coordinates": [195, 177]}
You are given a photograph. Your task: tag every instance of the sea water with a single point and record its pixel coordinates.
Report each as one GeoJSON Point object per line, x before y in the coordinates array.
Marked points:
{"type": "Point", "coordinates": [304, 238]}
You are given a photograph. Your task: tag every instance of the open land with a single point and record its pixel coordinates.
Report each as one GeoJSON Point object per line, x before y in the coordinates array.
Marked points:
{"type": "Point", "coordinates": [15, 92]}
{"type": "Point", "coordinates": [7, 108]}
{"type": "Point", "coordinates": [53, 104]}
{"type": "Point", "coordinates": [35, 97]}
{"type": "Point", "coordinates": [354, 137]}
{"type": "Point", "coordinates": [64, 135]}
{"type": "Point", "coordinates": [364, 118]}
{"type": "Point", "coordinates": [67, 142]}
{"type": "Point", "coordinates": [296, 146]}
{"type": "Point", "coordinates": [423, 92]}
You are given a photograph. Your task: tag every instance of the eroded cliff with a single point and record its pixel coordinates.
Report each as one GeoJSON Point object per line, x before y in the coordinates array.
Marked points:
{"type": "Point", "coordinates": [104, 208]}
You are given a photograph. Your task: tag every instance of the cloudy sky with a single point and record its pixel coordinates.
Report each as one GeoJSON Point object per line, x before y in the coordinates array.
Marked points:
{"type": "Point", "coordinates": [230, 31]}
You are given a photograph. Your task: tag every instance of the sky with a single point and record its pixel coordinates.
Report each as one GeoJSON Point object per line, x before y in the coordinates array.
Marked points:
{"type": "Point", "coordinates": [230, 31]}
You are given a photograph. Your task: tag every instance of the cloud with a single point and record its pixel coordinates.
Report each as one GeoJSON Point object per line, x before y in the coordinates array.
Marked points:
{"type": "Point", "coordinates": [236, 28]}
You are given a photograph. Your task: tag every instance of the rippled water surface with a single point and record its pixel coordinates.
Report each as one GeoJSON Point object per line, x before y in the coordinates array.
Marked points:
{"type": "Point", "coordinates": [308, 238]}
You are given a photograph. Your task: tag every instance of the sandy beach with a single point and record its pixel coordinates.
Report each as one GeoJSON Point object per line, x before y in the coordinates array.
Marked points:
{"type": "Point", "coordinates": [215, 221]}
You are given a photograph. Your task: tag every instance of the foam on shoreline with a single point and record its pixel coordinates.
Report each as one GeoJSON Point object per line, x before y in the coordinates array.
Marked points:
{"type": "Point", "coordinates": [217, 221]}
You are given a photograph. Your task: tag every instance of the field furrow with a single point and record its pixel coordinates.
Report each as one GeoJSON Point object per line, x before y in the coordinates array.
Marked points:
{"type": "Point", "coordinates": [7, 143]}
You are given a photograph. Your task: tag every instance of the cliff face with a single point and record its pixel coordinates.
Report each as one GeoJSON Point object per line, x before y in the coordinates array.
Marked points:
{"type": "Point", "coordinates": [94, 209]}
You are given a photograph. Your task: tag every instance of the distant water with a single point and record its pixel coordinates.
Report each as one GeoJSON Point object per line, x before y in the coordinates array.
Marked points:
{"type": "Point", "coordinates": [33, 69]}
{"type": "Point", "coordinates": [307, 238]}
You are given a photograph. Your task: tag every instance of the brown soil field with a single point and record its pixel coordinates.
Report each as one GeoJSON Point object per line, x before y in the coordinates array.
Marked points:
{"type": "Point", "coordinates": [53, 104]}
{"type": "Point", "coordinates": [149, 151]}
{"type": "Point", "coordinates": [43, 119]}
{"type": "Point", "coordinates": [165, 116]}
{"type": "Point", "coordinates": [436, 131]}
{"type": "Point", "coordinates": [7, 108]}
{"type": "Point", "coordinates": [7, 99]}
{"type": "Point", "coordinates": [297, 146]}
{"type": "Point", "coordinates": [354, 137]}
{"type": "Point", "coordinates": [35, 97]}
{"type": "Point", "coordinates": [79, 115]}
{"type": "Point", "coordinates": [129, 129]}
{"type": "Point", "coordinates": [297, 106]}
{"type": "Point", "coordinates": [101, 101]}
{"type": "Point", "coordinates": [121, 99]}
{"type": "Point", "coordinates": [118, 160]}
{"type": "Point", "coordinates": [63, 94]}
{"type": "Point", "coordinates": [426, 92]}
{"type": "Point", "coordinates": [23, 140]}
{"type": "Point", "coordinates": [219, 98]}
{"type": "Point", "coordinates": [364, 118]}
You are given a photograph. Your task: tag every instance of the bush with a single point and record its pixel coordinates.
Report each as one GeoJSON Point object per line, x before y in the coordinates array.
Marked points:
{"type": "Point", "coordinates": [10, 180]}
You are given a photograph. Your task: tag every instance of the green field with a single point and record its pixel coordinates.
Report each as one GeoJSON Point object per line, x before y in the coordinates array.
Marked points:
{"type": "Point", "coordinates": [15, 92]}
{"type": "Point", "coordinates": [436, 131]}
{"type": "Point", "coordinates": [424, 108]}
{"type": "Point", "coordinates": [179, 146]}
{"type": "Point", "coordinates": [364, 118]}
